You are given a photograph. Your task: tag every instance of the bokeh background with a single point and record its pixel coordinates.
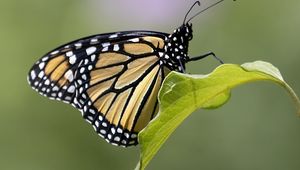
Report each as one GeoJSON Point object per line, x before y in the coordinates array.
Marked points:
{"type": "Point", "coordinates": [256, 129]}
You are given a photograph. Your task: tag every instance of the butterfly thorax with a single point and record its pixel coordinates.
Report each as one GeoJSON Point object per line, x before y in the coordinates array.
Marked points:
{"type": "Point", "coordinates": [176, 48]}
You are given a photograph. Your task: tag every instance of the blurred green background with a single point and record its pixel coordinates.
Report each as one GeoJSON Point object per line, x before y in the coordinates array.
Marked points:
{"type": "Point", "coordinates": [256, 129]}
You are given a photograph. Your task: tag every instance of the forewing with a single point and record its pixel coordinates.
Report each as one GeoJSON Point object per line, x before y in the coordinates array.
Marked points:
{"type": "Point", "coordinates": [55, 73]}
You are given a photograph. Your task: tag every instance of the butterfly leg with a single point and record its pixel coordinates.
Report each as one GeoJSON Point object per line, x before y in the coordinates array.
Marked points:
{"type": "Point", "coordinates": [204, 56]}
{"type": "Point", "coordinates": [181, 68]}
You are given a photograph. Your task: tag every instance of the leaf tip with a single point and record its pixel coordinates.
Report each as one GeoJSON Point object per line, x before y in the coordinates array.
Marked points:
{"type": "Point", "coordinates": [264, 67]}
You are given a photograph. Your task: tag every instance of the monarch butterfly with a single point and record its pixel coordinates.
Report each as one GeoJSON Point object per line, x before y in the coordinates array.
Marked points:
{"type": "Point", "coordinates": [114, 78]}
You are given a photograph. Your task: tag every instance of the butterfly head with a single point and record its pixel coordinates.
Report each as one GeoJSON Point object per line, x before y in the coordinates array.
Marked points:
{"type": "Point", "coordinates": [186, 31]}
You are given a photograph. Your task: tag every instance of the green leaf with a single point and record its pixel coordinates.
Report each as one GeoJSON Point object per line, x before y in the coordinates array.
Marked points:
{"type": "Point", "coordinates": [182, 94]}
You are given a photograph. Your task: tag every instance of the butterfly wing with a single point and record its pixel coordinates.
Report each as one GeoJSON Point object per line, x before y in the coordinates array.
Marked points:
{"type": "Point", "coordinates": [113, 79]}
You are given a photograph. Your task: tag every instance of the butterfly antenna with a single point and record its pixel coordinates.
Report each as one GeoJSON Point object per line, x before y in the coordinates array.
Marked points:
{"type": "Point", "coordinates": [196, 3]}
{"type": "Point", "coordinates": [212, 5]}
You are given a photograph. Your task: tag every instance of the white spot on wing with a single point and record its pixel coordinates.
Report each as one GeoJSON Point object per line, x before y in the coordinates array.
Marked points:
{"type": "Point", "coordinates": [105, 49]}
{"type": "Point", "coordinates": [84, 77]}
{"type": "Point", "coordinates": [80, 91]}
{"type": "Point", "coordinates": [97, 123]}
{"type": "Point", "coordinates": [92, 111]}
{"type": "Point", "coordinates": [90, 118]}
{"type": "Point", "coordinates": [41, 65]}
{"type": "Point", "coordinates": [113, 36]}
{"type": "Point", "coordinates": [55, 88]}
{"type": "Point", "coordinates": [116, 47]}
{"type": "Point", "coordinates": [69, 75]}
{"type": "Point", "coordinates": [93, 57]}
{"type": "Point", "coordinates": [69, 53]}
{"type": "Point", "coordinates": [105, 44]}
{"type": "Point", "coordinates": [160, 54]}
{"type": "Point", "coordinates": [90, 50]}
{"type": "Point", "coordinates": [135, 40]}
{"type": "Point", "coordinates": [41, 74]}
{"type": "Point", "coordinates": [82, 69]}
{"type": "Point", "coordinates": [33, 75]}
{"type": "Point", "coordinates": [119, 130]}
{"type": "Point", "coordinates": [86, 61]}
{"type": "Point", "coordinates": [72, 59]}
{"type": "Point", "coordinates": [71, 89]}
{"type": "Point", "coordinates": [104, 124]}
{"type": "Point", "coordinates": [113, 130]}
{"type": "Point", "coordinates": [117, 138]}
{"type": "Point", "coordinates": [45, 58]}
{"type": "Point", "coordinates": [78, 44]}
{"type": "Point", "coordinates": [54, 52]}
{"type": "Point", "coordinates": [47, 82]}
{"type": "Point", "coordinates": [94, 40]}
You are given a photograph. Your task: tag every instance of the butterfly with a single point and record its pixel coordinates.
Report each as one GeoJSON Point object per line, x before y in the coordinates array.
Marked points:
{"type": "Point", "coordinates": [114, 78]}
